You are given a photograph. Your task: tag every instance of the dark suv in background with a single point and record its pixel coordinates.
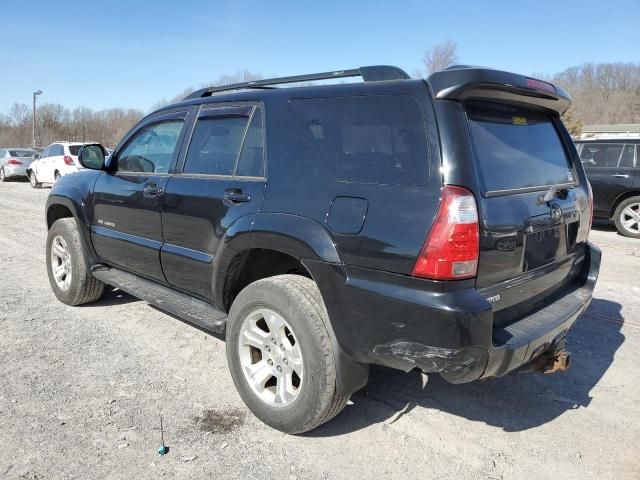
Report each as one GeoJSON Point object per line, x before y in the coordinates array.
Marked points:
{"type": "Point", "coordinates": [613, 168]}
{"type": "Point", "coordinates": [438, 224]}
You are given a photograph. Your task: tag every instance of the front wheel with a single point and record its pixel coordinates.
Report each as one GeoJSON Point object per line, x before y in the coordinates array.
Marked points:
{"type": "Point", "coordinates": [280, 354]}
{"type": "Point", "coordinates": [627, 217]}
{"type": "Point", "coordinates": [70, 281]}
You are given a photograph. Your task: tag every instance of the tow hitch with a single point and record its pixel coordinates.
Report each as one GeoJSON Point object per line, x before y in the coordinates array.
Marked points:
{"type": "Point", "coordinates": [555, 359]}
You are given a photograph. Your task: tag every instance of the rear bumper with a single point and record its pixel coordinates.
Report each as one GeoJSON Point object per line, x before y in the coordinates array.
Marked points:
{"type": "Point", "coordinates": [403, 322]}
{"type": "Point", "coordinates": [15, 170]}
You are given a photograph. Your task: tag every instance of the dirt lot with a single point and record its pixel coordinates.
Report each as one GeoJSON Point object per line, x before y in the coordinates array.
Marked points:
{"type": "Point", "coordinates": [81, 391]}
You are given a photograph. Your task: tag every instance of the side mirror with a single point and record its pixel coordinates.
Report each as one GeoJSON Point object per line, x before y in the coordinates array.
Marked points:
{"type": "Point", "coordinates": [92, 156]}
{"type": "Point", "coordinates": [36, 156]}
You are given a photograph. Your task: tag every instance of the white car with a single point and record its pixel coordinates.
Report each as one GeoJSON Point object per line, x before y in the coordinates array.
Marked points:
{"type": "Point", "coordinates": [57, 160]}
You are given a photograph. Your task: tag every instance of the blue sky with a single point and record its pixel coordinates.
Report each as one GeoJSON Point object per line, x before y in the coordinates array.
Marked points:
{"type": "Point", "coordinates": [132, 53]}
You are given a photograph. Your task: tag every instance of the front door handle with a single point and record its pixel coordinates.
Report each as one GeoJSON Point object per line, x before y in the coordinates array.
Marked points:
{"type": "Point", "coordinates": [152, 190]}
{"type": "Point", "coordinates": [621, 175]}
{"type": "Point", "coordinates": [235, 195]}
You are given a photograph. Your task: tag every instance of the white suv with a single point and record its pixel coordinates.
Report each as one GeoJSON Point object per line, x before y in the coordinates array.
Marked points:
{"type": "Point", "coordinates": [57, 160]}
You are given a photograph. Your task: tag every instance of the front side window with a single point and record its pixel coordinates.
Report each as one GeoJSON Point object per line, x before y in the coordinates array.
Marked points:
{"type": "Point", "coordinates": [377, 139]}
{"type": "Point", "coordinates": [151, 149]}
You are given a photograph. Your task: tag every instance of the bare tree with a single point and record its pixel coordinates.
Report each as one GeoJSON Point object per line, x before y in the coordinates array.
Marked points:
{"type": "Point", "coordinates": [19, 114]}
{"type": "Point", "coordinates": [603, 92]}
{"type": "Point", "coordinates": [440, 56]}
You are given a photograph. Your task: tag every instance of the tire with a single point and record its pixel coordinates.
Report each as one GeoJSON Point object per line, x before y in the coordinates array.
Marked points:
{"type": "Point", "coordinates": [297, 301]}
{"type": "Point", "coordinates": [56, 176]}
{"type": "Point", "coordinates": [74, 285]}
{"type": "Point", "coordinates": [33, 180]}
{"type": "Point", "coordinates": [627, 217]}
{"type": "Point", "coordinates": [3, 177]}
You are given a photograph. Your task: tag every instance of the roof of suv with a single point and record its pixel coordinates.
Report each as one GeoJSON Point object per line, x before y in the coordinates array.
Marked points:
{"type": "Point", "coordinates": [457, 82]}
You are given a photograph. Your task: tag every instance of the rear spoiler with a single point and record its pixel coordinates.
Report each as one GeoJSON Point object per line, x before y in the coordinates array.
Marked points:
{"type": "Point", "coordinates": [462, 82]}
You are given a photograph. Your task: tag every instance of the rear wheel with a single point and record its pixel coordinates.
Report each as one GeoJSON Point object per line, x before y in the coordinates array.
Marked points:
{"type": "Point", "coordinates": [627, 217]}
{"type": "Point", "coordinates": [56, 176]}
{"type": "Point", "coordinates": [68, 275]}
{"type": "Point", "coordinates": [280, 354]}
{"type": "Point", "coordinates": [33, 180]}
{"type": "Point", "coordinates": [3, 177]}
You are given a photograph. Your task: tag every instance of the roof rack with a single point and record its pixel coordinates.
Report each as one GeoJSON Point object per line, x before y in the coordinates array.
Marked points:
{"type": "Point", "coordinates": [374, 73]}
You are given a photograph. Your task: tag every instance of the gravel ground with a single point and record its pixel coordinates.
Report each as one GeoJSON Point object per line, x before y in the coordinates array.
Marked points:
{"type": "Point", "coordinates": [82, 390]}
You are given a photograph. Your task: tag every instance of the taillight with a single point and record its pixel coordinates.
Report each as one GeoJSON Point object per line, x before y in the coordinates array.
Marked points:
{"type": "Point", "coordinates": [68, 160]}
{"type": "Point", "coordinates": [453, 244]}
{"type": "Point", "coordinates": [13, 161]}
{"type": "Point", "coordinates": [540, 85]}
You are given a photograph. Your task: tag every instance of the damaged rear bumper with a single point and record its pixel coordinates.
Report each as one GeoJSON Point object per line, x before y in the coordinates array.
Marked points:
{"type": "Point", "coordinates": [404, 323]}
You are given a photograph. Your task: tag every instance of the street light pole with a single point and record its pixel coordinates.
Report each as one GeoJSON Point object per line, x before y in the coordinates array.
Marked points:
{"type": "Point", "coordinates": [33, 117]}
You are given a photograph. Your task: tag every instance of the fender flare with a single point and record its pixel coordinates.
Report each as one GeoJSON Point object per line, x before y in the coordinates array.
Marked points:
{"type": "Point", "coordinates": [310, 243]}
{"type": "Point", "coordinates": [79, 215]}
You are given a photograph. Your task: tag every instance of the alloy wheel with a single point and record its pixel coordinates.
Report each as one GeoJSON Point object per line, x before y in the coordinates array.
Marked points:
{"type": "Point", "coordinates": [271, 358]}
{"type": "Point", "coordinates": [630, 218]}
{"type": "Point", "coordinates": [61, 263]}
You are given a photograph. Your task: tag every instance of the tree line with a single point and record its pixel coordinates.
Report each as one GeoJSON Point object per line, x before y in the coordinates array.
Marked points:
{"type": "Point", "coordinates": [602, 93]}
{"type": "Point", "coordinates": [54, 122]}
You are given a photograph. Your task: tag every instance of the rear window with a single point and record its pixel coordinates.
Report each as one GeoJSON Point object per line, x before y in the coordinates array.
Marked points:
{"type": "Point", "coordinates": [74, 149]}
{"type": "Point", "coordinates": [378, 139]}
{"type": "Point", "coordinates": [22, 153]}
{"type": "Point", "coordinates": [517, 148]}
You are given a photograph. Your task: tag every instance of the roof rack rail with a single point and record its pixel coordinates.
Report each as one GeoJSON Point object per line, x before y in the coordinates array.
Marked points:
{"type": "Point", "coordinates": [374, 73]}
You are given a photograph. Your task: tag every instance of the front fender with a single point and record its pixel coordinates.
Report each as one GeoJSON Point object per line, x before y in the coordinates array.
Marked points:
{"type": "Point", "coordinates": [74, 192]}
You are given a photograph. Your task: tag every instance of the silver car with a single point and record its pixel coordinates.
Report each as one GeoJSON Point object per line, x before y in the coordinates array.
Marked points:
{"type": "Point", "coordinates": [14, 162]}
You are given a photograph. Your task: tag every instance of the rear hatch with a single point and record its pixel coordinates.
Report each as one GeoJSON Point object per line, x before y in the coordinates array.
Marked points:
{"type": "Point", "coordinates": [534, 211]}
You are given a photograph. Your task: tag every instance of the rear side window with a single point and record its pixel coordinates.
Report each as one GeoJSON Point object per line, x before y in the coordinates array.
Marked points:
{"type": "Point", "coordinates": [74, 150]}
{"type": "Point", "coordinates": [251, 161]}
{"type": "Point", "coordinates": [378, 139]}
{"type": "Point", "coordinates": [517, 148]}
{"type": "Point", "coordinates": [227, 141]}
{"type": "Point", "coordinates": [606, 155]}
{"type": "Point", "coordinates": [215, 145]}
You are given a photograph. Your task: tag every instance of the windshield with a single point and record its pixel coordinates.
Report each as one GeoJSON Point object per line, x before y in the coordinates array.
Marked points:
{"type": "Point", "coordinates": [517, 148]}
{"type": "Point", "coordinates": [22, 153]}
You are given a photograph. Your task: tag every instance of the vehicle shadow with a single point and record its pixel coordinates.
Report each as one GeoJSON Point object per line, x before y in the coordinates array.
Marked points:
{"type": "Point", "coordinates": [603, 225]}
{"type": "Point", "coordinates": [112, 296]}
{"type": "Point", "coordinates": [514, 403]}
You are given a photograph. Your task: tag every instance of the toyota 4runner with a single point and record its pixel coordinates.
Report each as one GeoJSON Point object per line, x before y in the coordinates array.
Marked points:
{"type": "Point", "coordinates": [438, 224]}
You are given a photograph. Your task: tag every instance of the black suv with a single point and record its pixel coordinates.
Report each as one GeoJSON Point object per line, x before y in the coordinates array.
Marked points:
{"type": "Point", "coordinates": [438, 224]}
{"type": "Point", "coordinates": [613, 168]}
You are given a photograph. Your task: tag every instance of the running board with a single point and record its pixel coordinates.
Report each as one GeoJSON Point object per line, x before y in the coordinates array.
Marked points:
{"type": "Point", "coordinates": [195, 311]}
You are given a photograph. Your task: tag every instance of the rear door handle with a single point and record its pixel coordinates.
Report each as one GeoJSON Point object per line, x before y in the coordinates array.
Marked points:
{"type": "Point", "coordinates": [152, 190]}
{"type": "Point", "coordinates": [621, 175]}
{"type": "Point", "coordinates": [235, 195]}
